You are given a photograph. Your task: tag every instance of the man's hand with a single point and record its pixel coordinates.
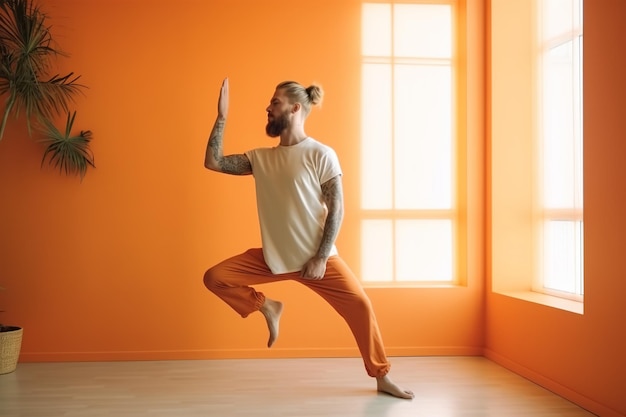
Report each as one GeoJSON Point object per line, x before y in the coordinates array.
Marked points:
{"type": "Point", "coordinates": [315, 268]}
{"type": "Point", "coordinates": [222, 104]}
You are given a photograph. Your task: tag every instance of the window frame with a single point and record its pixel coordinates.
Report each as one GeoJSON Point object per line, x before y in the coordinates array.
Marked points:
{"type": "Point", "coordinates": [545, 214]}
{"type": "Point", "coordinates": [454, 213]}
{"type": "Point", "coordinates": [513, 209]}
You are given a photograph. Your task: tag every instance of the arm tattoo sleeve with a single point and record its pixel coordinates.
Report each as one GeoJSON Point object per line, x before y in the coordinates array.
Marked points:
{"type": "Point", "coordinates": [237, 164]}
{"type": "Point", "coordinates": [215, 140]}
{"type": "Point", "coordinates": [332, 193]}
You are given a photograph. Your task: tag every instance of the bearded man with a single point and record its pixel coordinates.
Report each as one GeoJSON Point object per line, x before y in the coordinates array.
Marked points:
{"type": "Point", "coordinates": [300, 209]}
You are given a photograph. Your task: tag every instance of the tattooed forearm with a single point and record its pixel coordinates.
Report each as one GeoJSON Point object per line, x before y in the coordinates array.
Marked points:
{"type": "Point", "coordinates": [215, 141]}
{"type": "Point", "coordinates": [332, 194]}
{"type": "Point", "coordinates": [214, 158]}
{"type": "Point", "coordinates": [214, 151]}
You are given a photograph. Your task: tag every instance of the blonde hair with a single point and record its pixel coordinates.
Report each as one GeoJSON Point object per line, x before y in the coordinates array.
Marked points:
{"type": "Point", "coordinates": [307, 97]}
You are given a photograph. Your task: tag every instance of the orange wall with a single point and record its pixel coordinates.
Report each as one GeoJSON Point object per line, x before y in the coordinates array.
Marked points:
{"type": "Point", "coordinates": [582, 356]}
{"type": "Point", "coordinates": [111, 268]}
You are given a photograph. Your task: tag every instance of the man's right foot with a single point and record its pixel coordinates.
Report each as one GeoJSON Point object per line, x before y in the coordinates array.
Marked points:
{"type": "Point", "coordinates": [272, 310]}
{"type": "Point", "coordinates": [384, 384]}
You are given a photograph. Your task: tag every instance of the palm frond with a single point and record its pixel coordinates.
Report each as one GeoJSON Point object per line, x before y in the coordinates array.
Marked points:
{"type": "Point", "coordinates": [70, 154]}
{"type": "Point", "coordinates": [25, 51]}
{"type": "Point", "coordinates": [23, 30]}
{"type": "Point", "coordinates": [45, 99]}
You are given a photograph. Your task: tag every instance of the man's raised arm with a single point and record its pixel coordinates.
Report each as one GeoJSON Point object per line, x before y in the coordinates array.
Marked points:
{"type": "Point", "coordinates": [214, 159]}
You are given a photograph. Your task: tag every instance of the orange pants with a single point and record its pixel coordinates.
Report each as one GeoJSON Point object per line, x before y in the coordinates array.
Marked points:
{"type": "Point", "coordinates": [231, 278]}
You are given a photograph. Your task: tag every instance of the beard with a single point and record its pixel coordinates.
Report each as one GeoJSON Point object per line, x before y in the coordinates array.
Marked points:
{"type": "Point", "coordinates": [275, 127]}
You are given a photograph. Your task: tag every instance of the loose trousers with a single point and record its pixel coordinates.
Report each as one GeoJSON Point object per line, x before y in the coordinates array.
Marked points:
{"type": "Point", "coordinates": [232, 278]}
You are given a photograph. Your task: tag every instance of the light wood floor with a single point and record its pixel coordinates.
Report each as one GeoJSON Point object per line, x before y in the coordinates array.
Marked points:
{"type": "Point", "coordinates": [444, 387]}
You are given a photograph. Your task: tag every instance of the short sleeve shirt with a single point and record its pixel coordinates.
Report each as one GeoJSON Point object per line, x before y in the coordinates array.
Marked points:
{"type": "Point", "coordinates": [290, 207]}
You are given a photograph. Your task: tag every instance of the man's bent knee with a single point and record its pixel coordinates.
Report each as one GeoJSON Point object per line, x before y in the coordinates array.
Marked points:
{"type": "Point", "coordinates": [210, 279]}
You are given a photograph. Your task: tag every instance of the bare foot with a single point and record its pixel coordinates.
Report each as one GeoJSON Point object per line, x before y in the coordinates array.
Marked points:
{"type": "Point", "coordinates": [272, 310]}
{"type": "Point", "coordinates": [385, 385]}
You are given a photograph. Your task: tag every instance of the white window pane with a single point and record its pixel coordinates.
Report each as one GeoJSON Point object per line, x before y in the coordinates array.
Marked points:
{"type": "Point", "coordinates": [578, 120]}
{"type": "Point", "coordinates": [422, 30]}
{"type": "Point", "coordinates": [376, 160]}
{"type": "Point", "coordinates": [376, 29]}
{"type": "Point", "coordinates": [561, 17]}
{"type": "Point", "coordinates": [562, 130]}
{"type": "Point", "coordinates": [563, 256]}
{"type": "Point", "coordinates": [377, 250]}
{"type": "Point", "coordinates": [423, 137]}
{"type": "Point", "coordinates": [424, 250]}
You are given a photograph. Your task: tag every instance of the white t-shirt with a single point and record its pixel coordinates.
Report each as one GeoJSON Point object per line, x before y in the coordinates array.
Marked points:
{"type": "Point", "coordinates": [289, 200]}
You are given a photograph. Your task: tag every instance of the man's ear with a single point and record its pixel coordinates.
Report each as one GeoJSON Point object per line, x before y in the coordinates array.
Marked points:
{"type": "Point", "coordinates": [296, 107]}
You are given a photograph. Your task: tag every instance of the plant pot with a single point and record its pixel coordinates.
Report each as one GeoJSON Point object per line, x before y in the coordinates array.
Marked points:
{"type": "Point", "coordinates": [10, 345]}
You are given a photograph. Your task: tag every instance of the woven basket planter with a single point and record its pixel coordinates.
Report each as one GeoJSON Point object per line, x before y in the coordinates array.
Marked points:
{"type": "Point", "coordinates": [10, 345]}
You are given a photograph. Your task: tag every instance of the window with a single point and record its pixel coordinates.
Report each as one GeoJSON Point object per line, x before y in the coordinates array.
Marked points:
{"type": "Point", "coordinates": [560, 148]}
{"type": "Point", "coordinates": [536, 161]}
{"type": "Point", "coordinates": [408, 186]}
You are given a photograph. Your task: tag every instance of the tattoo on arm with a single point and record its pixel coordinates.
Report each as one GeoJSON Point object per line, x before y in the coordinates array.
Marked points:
{"type": "Point", "coordinates": [332, 193]}
{"type": "Point", "coordinates": [238, 164]}
{"type": "Point", "coordinates": [215, 140]}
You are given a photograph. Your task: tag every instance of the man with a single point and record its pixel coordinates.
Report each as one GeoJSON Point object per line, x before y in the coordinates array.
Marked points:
{"type": "Point", "coordinates": [300, 209]}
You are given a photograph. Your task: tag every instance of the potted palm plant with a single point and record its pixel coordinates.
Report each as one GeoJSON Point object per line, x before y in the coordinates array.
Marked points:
{"type": "Point", "coordinates": [26, 53]}
{"type": "Point", "coordinates": [10, 345]}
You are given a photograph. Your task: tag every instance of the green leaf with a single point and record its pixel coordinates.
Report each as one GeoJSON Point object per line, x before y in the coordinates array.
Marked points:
{"type": "Point", "coordinates": [26, 49]}
{"type": "Point", "coordinates": [70, 154]}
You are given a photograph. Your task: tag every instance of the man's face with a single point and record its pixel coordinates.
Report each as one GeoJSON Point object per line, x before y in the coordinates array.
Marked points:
{"type": "Point", "coordinates": [278, 115]}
